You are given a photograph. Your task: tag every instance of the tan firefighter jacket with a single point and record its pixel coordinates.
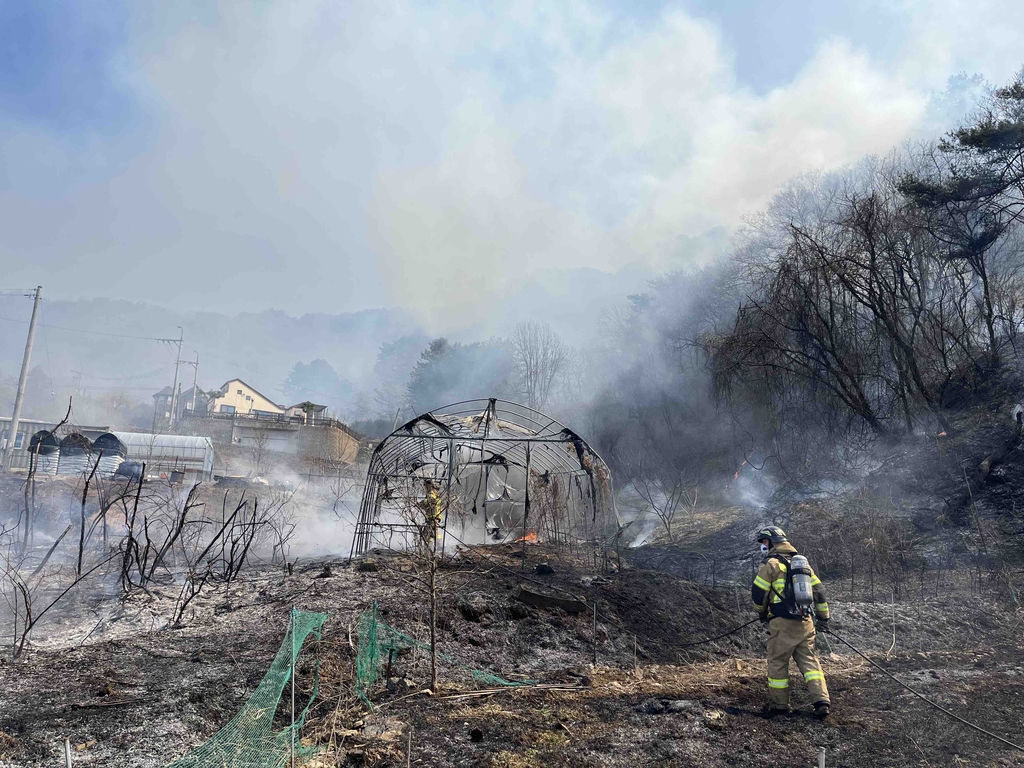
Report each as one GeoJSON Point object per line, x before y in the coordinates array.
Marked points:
{"type": "Point", "coordinates": [433, 512]}
{"type": "Point", "coordinates": [770, 585]}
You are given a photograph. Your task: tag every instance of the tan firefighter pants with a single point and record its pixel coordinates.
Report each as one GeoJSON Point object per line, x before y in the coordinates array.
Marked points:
{"type": "Point", "coordinates": [791, 639]}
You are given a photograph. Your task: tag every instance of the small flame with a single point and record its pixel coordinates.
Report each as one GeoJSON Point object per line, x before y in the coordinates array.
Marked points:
{"type": "Point", "coordinates": [530, 538]}
{"type": "Point", "coordinates": [737, 475]}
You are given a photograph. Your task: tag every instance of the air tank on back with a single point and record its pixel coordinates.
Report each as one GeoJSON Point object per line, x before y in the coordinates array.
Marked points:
{"type": "Point", "coordinates": [802, 590]}
{"type": "Point", "coordinates": [44, 452]}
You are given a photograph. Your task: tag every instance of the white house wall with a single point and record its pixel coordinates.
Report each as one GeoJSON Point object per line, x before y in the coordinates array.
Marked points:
{"type": "Point", "coordinates": [276, 439]}
{"type": "Point", "coordinates": [235, 396]}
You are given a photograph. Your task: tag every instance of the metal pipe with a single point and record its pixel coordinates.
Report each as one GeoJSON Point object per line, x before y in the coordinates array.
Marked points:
{"type": "Point", "coordinates": [293, 689]}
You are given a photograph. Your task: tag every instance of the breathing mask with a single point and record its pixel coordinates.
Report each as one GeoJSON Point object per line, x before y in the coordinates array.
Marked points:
{"type": "Point", "coordinates": [764, 548]}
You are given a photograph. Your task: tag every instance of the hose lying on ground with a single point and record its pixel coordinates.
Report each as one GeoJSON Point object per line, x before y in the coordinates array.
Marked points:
{"type": "Point", "coordinates": [719, 637]}
{"type": "Point", "coordinates": [924, 698]}
{"type": "Point", "coordinates": [884, 671]}
{"type": "Point", "coordinates": [870, 661]}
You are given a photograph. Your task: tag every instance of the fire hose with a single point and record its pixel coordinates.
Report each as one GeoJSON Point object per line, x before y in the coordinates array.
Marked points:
{"type": "Point", "coordinates": [732, 631]}
{"type": "Point", "coordinates": [921, 696]}
{"type": "Point", "coordinates": [870, 661]}
{"type": "Point", "coordinates": [884, 671]}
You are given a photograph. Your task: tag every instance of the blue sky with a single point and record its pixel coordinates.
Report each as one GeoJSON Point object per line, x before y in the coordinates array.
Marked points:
{"type": "Point", "coordinates": [61, 66]}
{"type": "Point", "coordinates": [419, 153]}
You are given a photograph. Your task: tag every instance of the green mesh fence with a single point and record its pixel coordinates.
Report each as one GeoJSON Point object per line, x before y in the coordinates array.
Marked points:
{"type": "Point", "coordinates": [250, 740]}
{"type": "Point", "coordinates": [378, 640]}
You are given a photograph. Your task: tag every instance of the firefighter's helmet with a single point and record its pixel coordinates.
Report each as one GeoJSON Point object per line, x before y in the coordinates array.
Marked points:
{"type": "Point", "coordinates": [772, 533]}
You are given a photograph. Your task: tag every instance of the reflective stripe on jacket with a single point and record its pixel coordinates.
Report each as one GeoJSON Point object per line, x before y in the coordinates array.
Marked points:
{"type": "Point", "coordinates": [770, 584]}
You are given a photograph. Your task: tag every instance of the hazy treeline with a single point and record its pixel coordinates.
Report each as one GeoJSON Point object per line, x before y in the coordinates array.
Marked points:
{"type": "Point", "coordinates": [879, 298]}
{"type": "Point", "coordinates": [863, 305]}
{"type": "Point", "coordinates": [413, 376]}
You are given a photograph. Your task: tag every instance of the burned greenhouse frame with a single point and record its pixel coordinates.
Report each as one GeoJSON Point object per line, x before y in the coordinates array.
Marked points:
{"type": "Point", "coordinates": [495, 471]}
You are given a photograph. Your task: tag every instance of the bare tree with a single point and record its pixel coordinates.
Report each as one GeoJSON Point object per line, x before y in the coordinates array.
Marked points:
{"type": "Point", "coordinates": [341, 489]}
{"type": "Point", "coordinates": [391, 401]}
{"type": "Point", "coordinates": [31, 593]}
{"type": "Point", "coordinates": [30, 479]}
{"type": "Point", "coordinates": [868, 307]}
{"type": "Point", "coordinates": [326, 452]}
{"type": "Point", "coordinates": [25, 595]}
{"type": "Point", "coordinates": [423, 503]}
{"type": "Point", "coordinates": [85, 498]}
{"type": "Point", "coordinates": [280, 523]}
{"type": "Point", "coordinates": [261, 458]}
{"type": "Point", "coordinates": [119, 405]}
{"type": "Point", "coordinates": [666, 493]}
{"type": "Point", "coordinates": [540, 355]}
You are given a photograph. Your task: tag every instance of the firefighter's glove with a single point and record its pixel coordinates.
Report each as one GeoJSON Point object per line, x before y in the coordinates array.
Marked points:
{"type": "Point", "coordinates": [765, 618]}
{"type": "Point", "coordinates": [821, 623]}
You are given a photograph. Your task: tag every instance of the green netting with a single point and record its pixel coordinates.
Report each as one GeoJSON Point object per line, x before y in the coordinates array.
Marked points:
{"type": "Point", "coordinates": [378, 640]}
{"type": "Point", "coordinates": [250, 740]}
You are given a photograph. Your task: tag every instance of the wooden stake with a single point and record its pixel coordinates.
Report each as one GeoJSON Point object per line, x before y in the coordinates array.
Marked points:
{"type": "Point", "coordinates": [595, 629]}
{"type": "Point", "coordinates": [67, 753]}
{"type": "Point", "coordinates": [408, 750]}
{"type": "Point", "coordinates": [821, 757]}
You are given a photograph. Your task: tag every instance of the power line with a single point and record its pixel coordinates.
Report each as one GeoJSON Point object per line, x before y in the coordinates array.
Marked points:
{"type": "Point", "coordinates": [92, 333]}
{"type": "Point", "coordinates": [137, 338]}
{"type": "Point", "coordinates": [69, 385]}
{"type": "Point", "coordinates": [233, 363]}
{"type": "Point", "coordinates": [151, 374]}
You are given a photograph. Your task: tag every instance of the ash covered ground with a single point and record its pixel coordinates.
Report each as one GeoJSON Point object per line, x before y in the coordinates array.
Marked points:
{"type": "Point", "coordinates": [129, 690]}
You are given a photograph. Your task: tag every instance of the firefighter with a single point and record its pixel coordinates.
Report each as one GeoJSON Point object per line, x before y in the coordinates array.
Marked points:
{"type": "Point", "coordinates": [432, 507]}
{"type": "Point", "coordinates": [791, 629]}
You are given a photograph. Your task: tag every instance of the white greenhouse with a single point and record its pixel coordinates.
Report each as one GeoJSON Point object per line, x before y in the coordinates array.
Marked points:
{"type": "Point", "coordinates": [168, 453]}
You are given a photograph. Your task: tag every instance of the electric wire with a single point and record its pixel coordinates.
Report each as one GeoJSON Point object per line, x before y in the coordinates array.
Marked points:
{"type": "Point", "coordinates": [921, 696]}
{"type": "Point", "coordinates": [92, 333]}
{"type": "Point", "coordinates": [89, 387]}
{"type": "Point", "coordinates": [230, 362]}
{"type": "Point", "coordinates": [149, 375]}
{"type": "Point", "coordinates": [128, 336]}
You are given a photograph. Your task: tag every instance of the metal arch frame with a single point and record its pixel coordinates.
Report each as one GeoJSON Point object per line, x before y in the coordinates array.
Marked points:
{"type": "Point", "coordinates": [459, 425]}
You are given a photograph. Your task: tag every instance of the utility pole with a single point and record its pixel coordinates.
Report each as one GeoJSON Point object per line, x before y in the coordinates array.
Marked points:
{"type": "Point", "coordinates": [195, 384]}
{"type": "Point", "coordinates": [174, 386]}
{"type": "Point", "coordinates": [12, 433]}
{"type": "Point", "coordinates": [195, 381]}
